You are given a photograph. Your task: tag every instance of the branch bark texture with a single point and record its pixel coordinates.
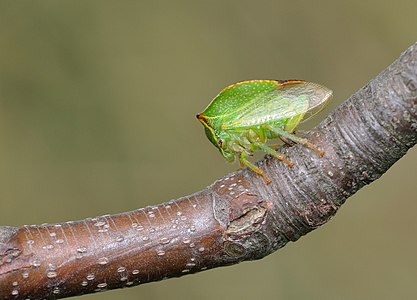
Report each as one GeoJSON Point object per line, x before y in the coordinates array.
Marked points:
{"type": "Point", "coordinates": [236, 218]}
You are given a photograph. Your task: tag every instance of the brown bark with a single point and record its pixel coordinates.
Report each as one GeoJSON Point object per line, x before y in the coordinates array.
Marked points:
{"type": "Point", "coordinates": [237, 218]}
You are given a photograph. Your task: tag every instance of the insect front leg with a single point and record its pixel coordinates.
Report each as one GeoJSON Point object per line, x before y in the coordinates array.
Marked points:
{"type": "Point", "coordinates": [243, 161]}
{"type": "Point", "coordinates": [292, 137]}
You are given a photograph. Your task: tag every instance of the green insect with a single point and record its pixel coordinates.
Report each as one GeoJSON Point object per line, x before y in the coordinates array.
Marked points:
{"type": "Point", "coordinates": [244, 116]}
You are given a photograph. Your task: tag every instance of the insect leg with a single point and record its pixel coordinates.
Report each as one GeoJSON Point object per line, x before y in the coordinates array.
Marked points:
{"type": "Point", "coordinates": [247, 163]}
{"type": "Point", "coordinates": [271, 151]}
{"type": "Point", "coordinates": [296, 139]}
{"type": "Point", "coordinates": [262, 135]}
{"type": "Point", "coordinates": [299, 131]}
{"type": "Point", "coordinates": [287, 141]}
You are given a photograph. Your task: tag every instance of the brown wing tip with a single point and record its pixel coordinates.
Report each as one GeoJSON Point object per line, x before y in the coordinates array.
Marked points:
{"type": "Point", "coordinates": [289, 81]}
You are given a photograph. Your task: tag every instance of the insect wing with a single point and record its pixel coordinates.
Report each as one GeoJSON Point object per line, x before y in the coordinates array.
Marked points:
{"type": "Point", "coordinates": [235, 98]}
{"type": "Point", "coordinates": [319, 97]}
{"type": "Point", "coordinates": [296, 98]}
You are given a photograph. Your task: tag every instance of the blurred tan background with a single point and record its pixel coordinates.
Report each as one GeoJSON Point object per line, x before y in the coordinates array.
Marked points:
{"type": "Point", "coordinates": [97, 115]}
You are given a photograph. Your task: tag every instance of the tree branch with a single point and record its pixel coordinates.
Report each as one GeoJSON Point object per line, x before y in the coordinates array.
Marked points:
{"type": "Point", "coordinates": [236, 218]}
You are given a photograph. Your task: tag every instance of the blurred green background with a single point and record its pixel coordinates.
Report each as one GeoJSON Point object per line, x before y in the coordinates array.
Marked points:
{"type": "Point", "coordinates": [97, 115]}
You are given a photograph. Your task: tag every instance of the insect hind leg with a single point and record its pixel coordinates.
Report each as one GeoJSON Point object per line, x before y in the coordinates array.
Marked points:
{"type": "Point", "coordinates": [287, 141]}
{"type": "Point", "coordinates": [292, 137]}
{"type": "Point", "coordinates": [271, 151]}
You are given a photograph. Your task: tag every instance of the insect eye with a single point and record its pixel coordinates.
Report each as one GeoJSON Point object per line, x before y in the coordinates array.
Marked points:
{"type": "Point", "coordinates": [220, 142]}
